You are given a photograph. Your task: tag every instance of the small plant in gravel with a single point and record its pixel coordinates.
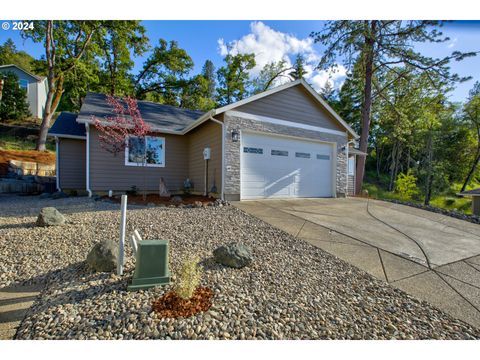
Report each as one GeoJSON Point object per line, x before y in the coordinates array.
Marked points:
{"type": "Point", "coordinates": [187, 298]}
{"type": "Point", "coordinates": [189, 278]}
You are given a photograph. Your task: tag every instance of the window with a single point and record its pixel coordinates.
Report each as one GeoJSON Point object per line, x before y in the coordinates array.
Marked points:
{"type": "Point", "coordinates": [323, 157]}
{"type": "Point", "coordinates": [351, 165]}
{"type": "Point", "coordinates": [252, 150]}
{"type": "Point", "coordinates": [148, 151]}
{"type": "Point", "coordinates": [23, 84]}
{"type": "Point", "coordinates": [279, 153]}
{"type": "Point", "coordinates": [302, 155]}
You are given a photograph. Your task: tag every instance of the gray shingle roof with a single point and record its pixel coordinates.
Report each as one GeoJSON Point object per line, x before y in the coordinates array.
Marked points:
{"type": "Point", "coordinates": [66, 124]}
{"type": "Point", "coordinates": [471, 192]}
{"type": "Point", "coordinates": [163, 117]}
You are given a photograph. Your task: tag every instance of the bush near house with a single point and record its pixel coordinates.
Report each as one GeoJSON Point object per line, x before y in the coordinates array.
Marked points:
{"type": "Point", "coordinates": [13, 104]}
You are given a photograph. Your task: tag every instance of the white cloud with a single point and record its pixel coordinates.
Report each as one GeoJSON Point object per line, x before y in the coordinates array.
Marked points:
{"type": "Point", "coordinates": [452, 43]}
{"type": "Point", "coordinates": [270, 45]}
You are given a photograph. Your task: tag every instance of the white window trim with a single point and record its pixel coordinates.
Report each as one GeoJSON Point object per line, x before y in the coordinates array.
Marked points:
{"type": "Point", "coordinates": [128, 163]}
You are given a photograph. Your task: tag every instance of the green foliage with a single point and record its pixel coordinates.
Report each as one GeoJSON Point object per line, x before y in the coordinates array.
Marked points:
{"type": "Point", "coordinates": [233, 78]}
{"type": "Point", "coordinates": [208, 72]}
{"type": "Point", "coordinates": [10, 55]}
{"type": "Point", "coordinates": [164, 74]}
{"type": "Point", "coordinates": [269, 75]}
{"type": "Point", "coordinates": [299, 70]}
{"type": "Point", "coordinates": [189, 278]}
{"type": "Point", "coordinates": [13, 104]}
{"type": "Point", "coordinates": [406, 185]}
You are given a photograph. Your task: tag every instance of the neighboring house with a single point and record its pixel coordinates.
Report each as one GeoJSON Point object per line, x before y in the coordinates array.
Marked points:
{"type": "Point", "coordinates": [283, 143]}
{"type": "Point", "coordinates": [35, 86]}
{"type": "Point", "coordinates": [475, 194]}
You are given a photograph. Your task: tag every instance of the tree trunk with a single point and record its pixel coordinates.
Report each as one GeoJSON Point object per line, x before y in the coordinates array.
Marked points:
{"type": "Point", "coordinates": [475, 162]}
{"type": "Point", "coordinates": [366, 106]}
{"type": "Point", "coordinates": [429, 177]}
{"type": "Point", "coordinates": [472, 170]}
{"type": "Point", "coordinates": [47, 114]}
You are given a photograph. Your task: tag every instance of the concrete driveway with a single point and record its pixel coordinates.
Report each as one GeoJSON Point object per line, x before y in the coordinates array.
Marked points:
{"type": "Point", "coordinates": [431, 256]}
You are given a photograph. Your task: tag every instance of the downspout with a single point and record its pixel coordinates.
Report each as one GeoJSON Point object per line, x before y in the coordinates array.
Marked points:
{"type": "Point", "coordinates": [223, 154]}
{"type": "Point", "coordinates": [87, 165]}
{"type": "Point", "coordinates": [57, 165]}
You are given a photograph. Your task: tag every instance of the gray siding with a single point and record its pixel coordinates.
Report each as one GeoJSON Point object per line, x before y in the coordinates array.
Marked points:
{"type": "Point", "coordinates": [71, 167]}
{"type": "Point", "coordinates": [293, 104]}
{"type": "Point", "coordinates": [109, 172]}
{"type": "Point", "coordinates": [207, 135]}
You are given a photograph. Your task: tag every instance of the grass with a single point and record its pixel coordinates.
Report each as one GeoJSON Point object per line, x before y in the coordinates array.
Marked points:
{"type": "Point", "coordinates": [9, 142]}
{"type": "Point", "coordinates": [447, 200]}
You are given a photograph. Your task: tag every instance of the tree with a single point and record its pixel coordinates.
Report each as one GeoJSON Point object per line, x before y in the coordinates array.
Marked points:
{"type": "Point", "coordinates": [270, 75]}
{"type": "Point", "coordinates": [208, 72]}
{"type": "Point", "coordinates": [234, 79]}
{"type": "Point", "coordinates": [299, 70]}
{"type": "Point", "coordinates": [117, 40]}
{"type": "Point", "coordinates": [379, 45]}
{"type": "Point", "coordinates": [114, 131]}
{"type": "Point", "coordinates": [164, 74]}
{"type": "Point", "coordinates": [66, 42]}
{"type": "Point", "coordinates": [196, 94]}
{"type": "Point", "coordinates": [471, 115]}
{"type": "Point", "coordinates": [10, 55]}
{"type": "Point", "coordinates": [327, 91]}
{"type": "Point", "coordinates": [13, 99]}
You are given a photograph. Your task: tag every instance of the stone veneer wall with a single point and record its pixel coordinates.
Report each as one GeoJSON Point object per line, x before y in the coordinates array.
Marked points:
{"type": "Point", "coordinates": [232, 151]}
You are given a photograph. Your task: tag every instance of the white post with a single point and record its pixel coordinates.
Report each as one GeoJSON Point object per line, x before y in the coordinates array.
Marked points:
{"type": "Point", "coordinates": [121, 246]}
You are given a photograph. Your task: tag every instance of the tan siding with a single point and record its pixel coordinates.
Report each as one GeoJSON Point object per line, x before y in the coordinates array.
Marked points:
{"type": "Point", "coordinates": [109, 172]}
{"type": "Point", "coordinates": [71, 158]}
{"type": "Point", "coordinates": [206, 135]}
{"type": "Point", "coordinates": [293, 104]}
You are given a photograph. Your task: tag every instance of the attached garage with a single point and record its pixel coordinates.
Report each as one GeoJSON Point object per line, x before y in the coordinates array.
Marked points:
{"type": "Point", "coordinates": [273, 166]}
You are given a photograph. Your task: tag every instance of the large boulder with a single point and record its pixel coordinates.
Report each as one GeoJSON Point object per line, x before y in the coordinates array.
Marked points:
{"type": "Point", "coordinates": [235, 255]}
{"type": "Point", "coordinates": [49, 216]}
{"type": "Point", "coordinates": [103, 256]}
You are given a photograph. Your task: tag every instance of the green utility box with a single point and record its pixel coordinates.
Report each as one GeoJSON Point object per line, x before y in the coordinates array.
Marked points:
{"type": "Point", "coordinates": [151, 268]}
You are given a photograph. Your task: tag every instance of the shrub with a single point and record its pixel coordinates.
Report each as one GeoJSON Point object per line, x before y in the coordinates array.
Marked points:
{"type": "Point", "coordinates": [406, 185]}
{"type": "Point", "coordinates": [449, 201]}
{"type": "Point", "coordinates": [133, 190]}
{"type": "Point", "coordinates": [14, 105]}
{"type": "Point", "coordinates": [189, 278]}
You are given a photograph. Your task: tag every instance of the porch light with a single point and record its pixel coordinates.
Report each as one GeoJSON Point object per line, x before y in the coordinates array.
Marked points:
{"type": "Point", "coordinates": [235, 135]}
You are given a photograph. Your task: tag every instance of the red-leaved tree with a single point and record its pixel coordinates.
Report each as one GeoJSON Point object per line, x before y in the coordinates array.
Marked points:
{"type": "Point", "coordinates": [126, 121]}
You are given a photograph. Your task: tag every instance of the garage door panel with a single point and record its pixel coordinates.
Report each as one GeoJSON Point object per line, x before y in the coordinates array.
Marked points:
{"type": "Point", "coordinates": [284, 167]}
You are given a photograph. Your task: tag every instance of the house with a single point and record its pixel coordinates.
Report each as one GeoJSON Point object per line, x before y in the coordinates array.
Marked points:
{"type": "Point", "coordinates": [285, 142]}
{"type": "Point", "coordinates": [35, 86]}
{"type": "Point", "coordinates": [475, 194]}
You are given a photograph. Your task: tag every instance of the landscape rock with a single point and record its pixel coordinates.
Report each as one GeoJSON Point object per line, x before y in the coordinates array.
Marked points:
{"type": "Point", "coordinates": [59, 195]}
{"type": "Point", "coordinates": [176, 199]}
{"type": "Point", "coordinates": [235, 255]}
{"type": "Point", "coordinates": [49, 216]}
{"type": "Point", "coordinates": [45, 195]}
{"type": "Point", "coordinates": [162, 188]}
{"type": "Point", "coordinates": [103, 257]}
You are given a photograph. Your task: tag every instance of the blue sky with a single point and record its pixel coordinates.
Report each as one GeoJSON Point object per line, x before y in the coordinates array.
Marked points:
{"type": "Point", "coordinates": [275, 40]}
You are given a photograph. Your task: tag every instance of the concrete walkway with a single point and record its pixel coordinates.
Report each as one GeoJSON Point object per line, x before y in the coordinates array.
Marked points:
{"type": "Point", "coordinates": [14, 304]}
{"type": "Point", "coordinates": [430, 256]}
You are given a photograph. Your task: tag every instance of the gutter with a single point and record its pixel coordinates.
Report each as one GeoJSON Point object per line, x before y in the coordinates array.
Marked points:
{"type": "Point", "coordinates": [87, 165]}
{"type": "Point", "coordinates": [223, 152]}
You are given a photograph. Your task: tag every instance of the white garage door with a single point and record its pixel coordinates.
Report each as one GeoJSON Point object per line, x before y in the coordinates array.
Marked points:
{"type": "Point", "coordinates": [281, 167]}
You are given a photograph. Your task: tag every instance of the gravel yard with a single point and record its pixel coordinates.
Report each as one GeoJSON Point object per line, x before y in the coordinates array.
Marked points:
{"type": "Point", "coordinates": [292, 290]}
